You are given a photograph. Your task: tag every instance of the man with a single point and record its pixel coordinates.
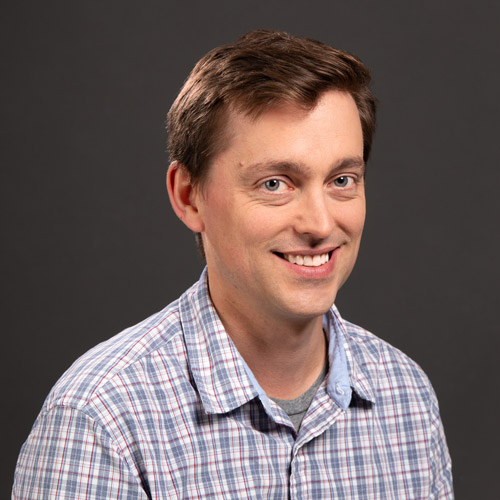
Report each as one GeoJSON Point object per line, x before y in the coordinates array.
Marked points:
{"type": "Point", "coordinates": [251, 385]}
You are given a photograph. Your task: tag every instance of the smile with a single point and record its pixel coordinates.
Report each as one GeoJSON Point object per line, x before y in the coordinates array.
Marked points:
{"type": "Point", "coordinates": [307, 260]}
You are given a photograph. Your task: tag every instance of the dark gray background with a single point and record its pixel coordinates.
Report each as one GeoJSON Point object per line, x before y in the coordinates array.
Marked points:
{"type": "Point", "coordinates": [91, 246]}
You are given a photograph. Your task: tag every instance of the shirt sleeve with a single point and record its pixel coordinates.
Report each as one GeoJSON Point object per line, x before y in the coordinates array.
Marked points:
{"type": "Point", "coordinates": [442, 485]}
{"type": "Point", "coordinates": [69, 456]}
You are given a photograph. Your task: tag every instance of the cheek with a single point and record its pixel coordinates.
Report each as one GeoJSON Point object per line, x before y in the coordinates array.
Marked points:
{"type": "Point", "coordinates": [228, 231]}
{"type": "Point", "coordinates": [352, 218]}
{"type": "Point", "coordinates": [216, 211]}
{"type": "Point", "coordinates": [359, 220]}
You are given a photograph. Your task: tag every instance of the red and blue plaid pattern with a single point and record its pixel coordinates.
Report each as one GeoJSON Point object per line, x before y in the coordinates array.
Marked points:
{"type": "Point", "coordinates": [168, 409]}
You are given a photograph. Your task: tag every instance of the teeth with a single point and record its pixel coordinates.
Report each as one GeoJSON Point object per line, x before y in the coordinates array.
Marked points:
{"type": "Point", "coordinates": [307, 260]}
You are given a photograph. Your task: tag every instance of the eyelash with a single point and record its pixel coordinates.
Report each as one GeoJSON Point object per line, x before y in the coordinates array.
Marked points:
{"type": "Point", "coordinates": [348, 177]}
{"type": "Point", "coordinates": [279, 182]}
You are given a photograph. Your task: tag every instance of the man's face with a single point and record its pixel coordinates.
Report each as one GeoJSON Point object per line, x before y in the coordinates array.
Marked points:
{"type": "Point", "coordinates": [283, 209]}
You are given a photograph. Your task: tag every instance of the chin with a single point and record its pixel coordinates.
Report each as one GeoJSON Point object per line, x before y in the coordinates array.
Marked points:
{"type": "Point", "coordinates": [311, 308]}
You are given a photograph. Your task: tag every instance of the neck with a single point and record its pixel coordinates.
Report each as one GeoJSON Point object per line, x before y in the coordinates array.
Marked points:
{"type": "Point", "coordinates": [285, 356]}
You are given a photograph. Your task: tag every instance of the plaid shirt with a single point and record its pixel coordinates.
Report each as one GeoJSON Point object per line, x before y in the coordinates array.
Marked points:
{"type": "Point", "coordinates": [169, 409]}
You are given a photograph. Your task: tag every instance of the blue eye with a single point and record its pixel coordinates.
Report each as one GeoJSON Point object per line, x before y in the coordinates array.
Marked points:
{"type": "Point", "coordinates": [272, 184]}
{"type": "Point", "coordinates": [342, 181]}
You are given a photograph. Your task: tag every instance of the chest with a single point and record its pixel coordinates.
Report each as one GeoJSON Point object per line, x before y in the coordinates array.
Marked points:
{"type": "Point", "coordinates": [352, 455]}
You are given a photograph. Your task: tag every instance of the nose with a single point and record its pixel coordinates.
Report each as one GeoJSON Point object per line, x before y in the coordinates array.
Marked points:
{"type": "Point", "coordinates": [315, 215]}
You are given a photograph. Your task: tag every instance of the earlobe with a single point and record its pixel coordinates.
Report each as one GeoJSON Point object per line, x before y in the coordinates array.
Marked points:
{"type": "Point", "coordinates": [183, 196]}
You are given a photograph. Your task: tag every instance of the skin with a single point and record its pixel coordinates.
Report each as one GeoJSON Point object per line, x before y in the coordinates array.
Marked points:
{"type": "Point", "coordinates": [289, 182]}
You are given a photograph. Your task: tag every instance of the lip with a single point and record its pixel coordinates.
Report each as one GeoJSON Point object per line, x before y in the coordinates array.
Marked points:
{"type": "Point", "coordinates": [308, 251]}
{"type": "Point", "coordinates": [319, 272]}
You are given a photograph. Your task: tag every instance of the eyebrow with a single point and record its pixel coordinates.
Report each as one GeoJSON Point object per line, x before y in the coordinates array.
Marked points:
{"type": "Point", "coordinates": [261, 168]}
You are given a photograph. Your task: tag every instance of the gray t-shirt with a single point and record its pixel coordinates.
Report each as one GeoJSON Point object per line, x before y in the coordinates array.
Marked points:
{"type": "Point", "coordinates": [297, 408]}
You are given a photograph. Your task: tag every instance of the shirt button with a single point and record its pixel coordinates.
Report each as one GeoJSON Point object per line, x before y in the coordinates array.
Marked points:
{"type": "Point", "coordinates": [339, 389]}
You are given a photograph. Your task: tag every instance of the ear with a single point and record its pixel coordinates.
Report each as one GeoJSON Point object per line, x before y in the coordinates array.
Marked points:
{"type": "Point", "coordinates": [183, 197]}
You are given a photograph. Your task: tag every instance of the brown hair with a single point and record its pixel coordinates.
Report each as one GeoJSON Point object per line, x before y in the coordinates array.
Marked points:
{"type": "Point", "coordinates": [261, 69]}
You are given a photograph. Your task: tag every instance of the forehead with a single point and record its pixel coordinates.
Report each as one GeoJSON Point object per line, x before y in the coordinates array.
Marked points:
{"type": "Point", "coordinates": [287, 132]}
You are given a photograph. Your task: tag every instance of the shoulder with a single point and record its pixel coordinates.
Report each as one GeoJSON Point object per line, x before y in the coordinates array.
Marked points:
{"type": "Point", "coordinates": [117, 359]}
{"type": "Point", "coordinates": [391, 372]}
{"type": "Point", "coordinates": [406, 405]}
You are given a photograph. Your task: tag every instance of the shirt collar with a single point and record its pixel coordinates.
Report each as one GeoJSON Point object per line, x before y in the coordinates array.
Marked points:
{"type": "Point", "coordinates": [223, 379]}
{"type": "Point", "coordinates": [348, 369]}
{"type": "Point", "coordinates": [219, 371]}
